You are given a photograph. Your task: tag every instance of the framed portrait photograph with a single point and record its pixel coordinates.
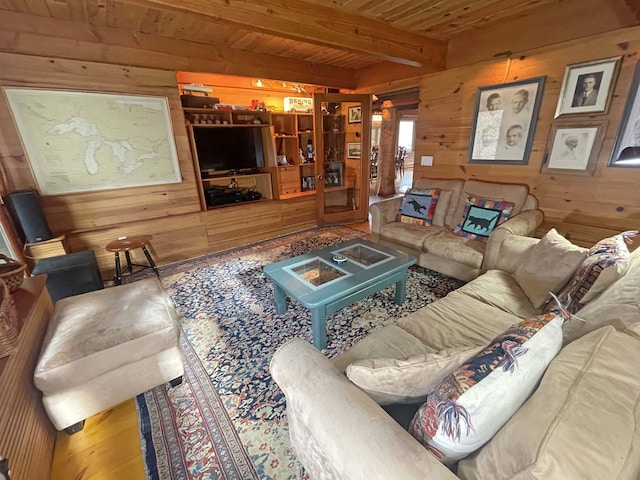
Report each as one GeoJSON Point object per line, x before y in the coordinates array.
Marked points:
{"type": "Point", "coordinates": [504, 121]}
{"type": "Point", "coordinates": [355, 114]}
{"type": "Point", "coordinates": [626, 150]}
{"type": "Point", "coordinates": [353, 150]}
{"type": "Point", "coordinates": [573, 147]}
{"type": "Point", "coordinates": [588, 87]}
{"type": "Point", "coordinates": [333, 175]}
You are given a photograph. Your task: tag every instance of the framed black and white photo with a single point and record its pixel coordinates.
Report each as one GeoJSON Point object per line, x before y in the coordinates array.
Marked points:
{"type": "Point", "coordinates": [353, 150]}
{"type": "Point", "coordinates": [588, 87]}
{"type": "Point", "coordinates": [573, 147]}
{"type": "Point", "coordinates": [626, 150]}
{"type": "Point", "coordinates": [355, 114]}
{"type": "Point", "coordinates": [333, 174]}
{"type": "Point", "coordinates": [504, 122]}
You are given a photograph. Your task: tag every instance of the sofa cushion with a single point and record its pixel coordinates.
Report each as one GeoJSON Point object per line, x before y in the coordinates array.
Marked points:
{"type": "Point", "coordinates": [456, 320]}
{"type": "Point", "coordinates": [95, 333]}
{"type": "Point", "coordinates": [470, 405]}
{"type": "Point", "coordinates": [581, 422]}
{"type": "Point", "coordinates": [386, 342]}
{"type": "Point", "coordinates": [480, 216]}
{"type": "Point", "coordinates": [406, 380]}
{"type": "Point", "coordinates": [500, 290]}
{"type": "Point", "coordinates": [605, 263]}
{"type": "Point", "coordinates": [407, 234]}
{"type": "Point", "coordinates": [619, 305]}
{"type": "Point", "coordinates": [452, 247]}
{"type": "Point", "coordinates": [445, 185]}
{"type": "Point", "coordinates": [516, 194]}
{"type": "Point", "coordinates": [440, 215]}
{"type": "Point", "coordinates": [418, 207]}
{"type": "Point", "coordinates": [548, 267]}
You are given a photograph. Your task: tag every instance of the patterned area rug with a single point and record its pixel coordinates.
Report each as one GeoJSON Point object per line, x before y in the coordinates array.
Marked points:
{"type": "Point", "coordinates": [228, 419]}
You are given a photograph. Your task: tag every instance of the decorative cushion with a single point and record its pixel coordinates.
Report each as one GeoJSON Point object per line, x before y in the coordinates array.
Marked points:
{"type": "Point", "coordinates": [606, 262]}
{"type": "Point", "coordinates": [406, 380]}
{"type": "Point", "coordinates": [480, 216]}
{"type": "Point", "coordinates": [548, 267]}
{"type": "Point", "coordinates": [418, 206]}
{"type": "Point", "coordinates": [440, 215]}
{"type": "Point", "coordinates": [470, 405]}
{"type": "Point", "coordinates": [580, 423]}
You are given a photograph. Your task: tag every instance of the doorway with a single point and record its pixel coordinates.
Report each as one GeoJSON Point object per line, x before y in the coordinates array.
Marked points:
{"type": "Point", "coordinates": [393, 140]}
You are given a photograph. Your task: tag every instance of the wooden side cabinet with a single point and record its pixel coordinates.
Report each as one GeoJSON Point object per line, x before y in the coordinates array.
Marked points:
{"type": "Point", "coordinates": [27, 437]}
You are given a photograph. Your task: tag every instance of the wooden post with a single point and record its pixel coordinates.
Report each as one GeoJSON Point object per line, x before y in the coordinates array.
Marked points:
{"type": "Point", "coordinates": [386, 157]}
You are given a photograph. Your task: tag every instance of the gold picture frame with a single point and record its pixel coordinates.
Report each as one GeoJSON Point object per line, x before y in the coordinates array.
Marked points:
{"type": "Point", "coordinates": [587, 87]}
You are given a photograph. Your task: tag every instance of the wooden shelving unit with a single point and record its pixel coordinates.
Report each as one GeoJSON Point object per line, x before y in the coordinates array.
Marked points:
{"type": "Point", "coordinates": [211, 116]}
{"type": "Point", "coordinates": [291, 135]}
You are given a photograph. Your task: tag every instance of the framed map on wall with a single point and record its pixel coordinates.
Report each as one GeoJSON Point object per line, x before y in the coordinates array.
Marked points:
{"type": "Point", "coordinates": [84, 141]}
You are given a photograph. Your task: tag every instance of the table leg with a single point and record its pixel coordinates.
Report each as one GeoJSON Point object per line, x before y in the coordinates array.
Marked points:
{"type": "Point", "coordinates": [150, 260]}
{"type": "Point", "coordinates": [129, 264]}
{"type": "Point", "coordinates": [401, 290]}
{"type": "Point", "coordinates": [118, 279]}
{"type": "Point", "coordinates": [319, 327]}
{"type": "Point", "coordinates": [281, 299]}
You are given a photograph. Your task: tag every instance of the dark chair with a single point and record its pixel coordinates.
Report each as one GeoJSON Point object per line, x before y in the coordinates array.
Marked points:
{"type": "Point", "coordinates": [400, 154]}
{"type": "Point", "coordinates": [70, 274]}
{"type": "Point", "coordinates": [374, 163]}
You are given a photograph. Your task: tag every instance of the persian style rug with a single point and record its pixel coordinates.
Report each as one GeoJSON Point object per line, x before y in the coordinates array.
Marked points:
{"type": "Point", "coordinates": [228, 418]}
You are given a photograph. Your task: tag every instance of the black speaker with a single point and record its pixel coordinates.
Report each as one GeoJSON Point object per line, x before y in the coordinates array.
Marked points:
{"type": "Point", "coordinates": [28, 216]}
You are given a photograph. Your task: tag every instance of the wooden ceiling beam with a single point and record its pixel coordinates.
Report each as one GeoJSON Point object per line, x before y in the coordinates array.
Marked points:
{"type": "Point", "coordinates": [319, 25]}
{"type": "Point", "coordinates": [32, 35]}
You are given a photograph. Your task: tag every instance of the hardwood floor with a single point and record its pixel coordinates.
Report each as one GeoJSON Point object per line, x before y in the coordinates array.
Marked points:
{"type": "Point", "coordinates": [108, 447]}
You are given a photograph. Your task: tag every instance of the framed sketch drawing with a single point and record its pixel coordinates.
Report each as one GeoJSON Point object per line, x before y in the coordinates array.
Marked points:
{"type": "Point", "coordinates": [626, 150]}
{"type": "Point", "coordinates": [84, 141]}
{"type": "Point", "coordinates": [504, 122]}
{"type": "Point", "coordinates": [573, 147]}
{"type": "Point", "coordinates": [355, 114]}
{"type": "Point", "coordinates": [353, 150]}
{"type": "Point", "coordinates": [588, 87]}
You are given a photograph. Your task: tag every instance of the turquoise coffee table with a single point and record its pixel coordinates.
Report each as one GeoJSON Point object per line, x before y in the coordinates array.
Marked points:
{"type": "Point", "coordinates": [324, 286]}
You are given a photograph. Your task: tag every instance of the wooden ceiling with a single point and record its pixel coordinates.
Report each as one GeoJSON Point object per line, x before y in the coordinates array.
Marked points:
{"type": "Point", "coordinates": [325, 42]}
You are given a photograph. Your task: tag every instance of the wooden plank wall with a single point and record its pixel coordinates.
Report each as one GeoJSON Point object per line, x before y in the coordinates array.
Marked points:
{"type": "Point", "coordinates": [583, 208]}
{"type": "Point", "coordinates": [170, 212]}
{"type": "Point", "coordinates": [27, 437]}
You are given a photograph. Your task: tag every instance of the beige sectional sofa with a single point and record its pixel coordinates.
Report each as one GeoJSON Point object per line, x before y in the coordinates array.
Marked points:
{"type": "Point", "coordinates": [580, 423]}
{"type": "Point", "coordinates": [435, 246]}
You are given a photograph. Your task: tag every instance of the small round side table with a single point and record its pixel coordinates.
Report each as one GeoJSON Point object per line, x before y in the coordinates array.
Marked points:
{"type": "Point", "coordinates": [126, 244]}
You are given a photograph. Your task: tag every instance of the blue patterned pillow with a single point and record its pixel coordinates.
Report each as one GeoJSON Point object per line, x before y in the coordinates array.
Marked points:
{"type": "Point", "coordinates": [481, 216]}
{"type": "Point", "coordinates": [418, 206]}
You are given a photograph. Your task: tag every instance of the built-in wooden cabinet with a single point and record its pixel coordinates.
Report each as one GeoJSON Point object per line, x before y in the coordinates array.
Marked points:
{"type": "Point", "coordinates": [230, 187]}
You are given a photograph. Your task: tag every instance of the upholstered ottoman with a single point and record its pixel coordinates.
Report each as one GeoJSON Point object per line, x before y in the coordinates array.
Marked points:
{"type": "Point", "coordinates": [104, 347]}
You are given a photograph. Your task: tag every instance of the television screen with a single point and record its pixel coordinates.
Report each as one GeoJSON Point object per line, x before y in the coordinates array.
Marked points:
{"type": "Point", "coordinates": [221, 149]}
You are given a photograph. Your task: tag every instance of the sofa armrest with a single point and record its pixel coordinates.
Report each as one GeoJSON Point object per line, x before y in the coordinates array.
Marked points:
{"type": "Point", "coordinates": [383, 212]}
{"type": "Point", "coordinates": [524, 224]}
{"type": "Point", "coordinates": [337, 430]}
